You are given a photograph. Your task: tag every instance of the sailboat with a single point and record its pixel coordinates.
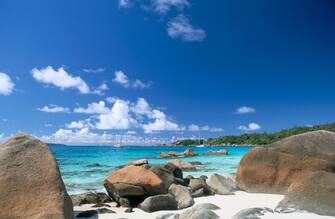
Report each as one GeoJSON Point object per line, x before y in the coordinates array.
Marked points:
{"type": "Point", "coordinates": [118, 143]}
{"type": "Point", "coordinates": [200, 145]}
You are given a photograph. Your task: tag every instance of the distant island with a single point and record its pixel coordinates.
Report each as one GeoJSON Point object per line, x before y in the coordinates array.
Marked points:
{"type": "Point", "coordinates": [256, 138]}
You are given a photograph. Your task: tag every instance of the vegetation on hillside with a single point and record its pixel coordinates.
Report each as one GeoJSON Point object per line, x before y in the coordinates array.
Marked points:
{"type": "Point", "coordinates": [258, 138]}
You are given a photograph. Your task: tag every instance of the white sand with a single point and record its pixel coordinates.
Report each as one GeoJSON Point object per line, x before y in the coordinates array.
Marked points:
{"type": "Point", "coordinates": [230, 205]}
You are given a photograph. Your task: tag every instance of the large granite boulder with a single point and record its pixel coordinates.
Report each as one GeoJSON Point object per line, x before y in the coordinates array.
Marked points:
{"type": "Point", "coordinates": [273, 168]}
{"type": "Point", "coordinates": [222, 185]}
{"type": "Point", "coordinates": [315, 192]}
{"type": "Point", "coordinates": [132, 184]}
{"type": "Point", "coordinates": [182, 195]}
{"type": "Point", "coordinates": [30, 182]}
{"type": "Point", "coordinates": [158, 203]}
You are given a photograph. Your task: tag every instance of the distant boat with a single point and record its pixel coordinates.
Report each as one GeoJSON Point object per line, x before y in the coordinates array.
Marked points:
{"type": "Point", "coordinates": [118, 144]}
{"type": "Point", "coordinates": [200, 145]}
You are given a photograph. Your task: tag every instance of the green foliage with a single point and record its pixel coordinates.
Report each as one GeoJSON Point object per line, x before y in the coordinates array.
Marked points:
{"type": "Point", "coordinates": [258, 138]}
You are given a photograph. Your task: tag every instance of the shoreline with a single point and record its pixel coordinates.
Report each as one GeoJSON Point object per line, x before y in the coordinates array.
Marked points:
{"type": "Point", "coordinates": [229, 204]}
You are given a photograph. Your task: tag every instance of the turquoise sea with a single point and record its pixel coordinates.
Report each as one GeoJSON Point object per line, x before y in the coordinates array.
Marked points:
{"type": "Point", "coordinates": [84, 168]}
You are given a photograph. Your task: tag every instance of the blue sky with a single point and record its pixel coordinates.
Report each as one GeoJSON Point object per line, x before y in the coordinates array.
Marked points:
{"type": "Point", "coordinates": [83, 72]}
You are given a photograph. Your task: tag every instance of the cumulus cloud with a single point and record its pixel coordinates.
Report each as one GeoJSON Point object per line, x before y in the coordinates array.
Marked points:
{"type": "Point", "coordinates": [60, 78]}
{"type": "Point", "coordinates": [118, 117]}
{"type": "Point", "coordinates": [160, 123]}
{"type": "Point", "coordinates": [251, 127]}
{"type": "Point", "coordinates": [76, 125]}
{"type": "Point", "coordinates": [94, 70]}
{"type": "Point", "coordinates": [85, 136]}
{"type": "Point", "coordinates": [245, 110]}
{"type": "Point", "coordinates": [163, 6]}
{"type": "Point", "coordinates": [122, 79]}
{"type": "Point", "coordinates": [181, 28]}
{"type": "Point", "coordinates": [142, 107]}
{"type": "Point", "coordinates": [93, 108]}
{"type": "Point", "coordinates": [54, 109]}
{"type": "Point", "coordinates": [196, 128]}
{"type": "Point", "coordinates": [111, 99]}
{"type": "Point", "coordinates": [6, 84]}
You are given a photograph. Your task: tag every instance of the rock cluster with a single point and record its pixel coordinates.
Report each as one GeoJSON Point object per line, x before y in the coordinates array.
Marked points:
{"type": "Point", "coordinates": [301, 167]}
{"type": "Point", "coordinates": [161, 187]}
{"type": "Point", "coordinates": [174, 154]}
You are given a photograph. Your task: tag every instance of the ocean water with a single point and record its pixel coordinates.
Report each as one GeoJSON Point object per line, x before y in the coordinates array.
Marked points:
{"type": "Point", "coordinates": [84, 168]}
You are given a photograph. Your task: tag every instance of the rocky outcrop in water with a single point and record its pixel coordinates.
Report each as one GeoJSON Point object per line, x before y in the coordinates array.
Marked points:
{"type": "Point", "coordinates": [220, 152]}
{"type": "Point", "coordinates": [30, 182]}
{"type": "Point", "coordinates": [174, 154]}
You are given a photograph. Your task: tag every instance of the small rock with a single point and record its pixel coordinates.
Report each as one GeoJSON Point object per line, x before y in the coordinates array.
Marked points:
{"type": "Point", "coordinates": [182, 196]}
{"type": "Point", "coordinates": [189, 177]}
{"type": "Point", "coordinates": [251, 213]}
{"type": "Point", "coordinates": [168, 216]}
{"type": "Point", "coordinates": [176, 171]}
{"type": "Point", "coordinates": [87, 214]}
{"type": "Point", "coordinates": [198, 193]}
{"type": "Point", "coordinates": [159, 202]}
{"type": "Point", "coordinates": [220, 152]}
{"type": "Point", "coordinates": [105, 211]}
{"type": "Point", "coordinates": [99, 205]}
{"type": "Point", "coordinates": [207, 206]}
{"type": "Point", "coordinates": [203, 177]}
{"type": "Point", "coordinates": [221, 185]}
{"type": "Point", "coordinates": [182, 165]}
{"type": "Point", "coordinates": [198, 214]}
{"type": "Point", "coordinates": [189, 152]}
{"type": "Point", "coordinates": [169, 154]}
{"type": "Point", "coordinates": [197, 184]}
{"type": "Point", "coordinates": [197, 163]}
{"type": "Point", "coordinates": [139, 162]}
{"type": "Point", "coordinates": [90, 198]}
{"type": "Point", "coordinates": [129, 210]}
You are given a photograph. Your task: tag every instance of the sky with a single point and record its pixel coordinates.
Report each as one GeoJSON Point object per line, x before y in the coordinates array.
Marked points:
{"type": "Point", "coordinates": [154, 71]}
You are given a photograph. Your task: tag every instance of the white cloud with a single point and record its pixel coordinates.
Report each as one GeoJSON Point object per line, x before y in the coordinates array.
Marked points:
{"type": "Point", "coordinates": [76, 125]}
{"type": "Point", "coordinates": [181, 28]}
{"type": "Point", "coordinates": [93, 108]}
{"type": "Point", "coordinates": [6, 84]}
{"type": "Point", "coordinates": [124, 3]}
{"type": "Point", "coordinates": [140, 84]}
{"type": "Point", "coordinates": [245, 110]}
{"type": "Point", "coordinates": [160, 123]}
{"type": "Point", "coordinates": [54, 109]}
{"type": "Point", "coordinates": [122, 79]}
{"type": "Point", "coordinates": [131, 132]}
{"type": "Point", "coordinates": [196, 128]}
{"type": "Point", "coordinates": [251, 127]}
{"type": "Point", "coordinates": [60, 78]}
{"type": "Point", "coordinates": [111, 99]}
{"type": "Point", "coordinates": [103, 86]}
{"type": "Point", "coordinates": [142, 107]}
{"type": "Point", "coordinates": [117, 118]}
{"type": "Point", "coordinates": [85, 136]}
{"type": "Point", "coordinates": [94, 70]}
{"type": "Point", "coordinates": [163, 6]}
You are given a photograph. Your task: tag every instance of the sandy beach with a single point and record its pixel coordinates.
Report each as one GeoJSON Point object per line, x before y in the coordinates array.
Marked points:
{"type": "Point", "coordinates": [229, 204]}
